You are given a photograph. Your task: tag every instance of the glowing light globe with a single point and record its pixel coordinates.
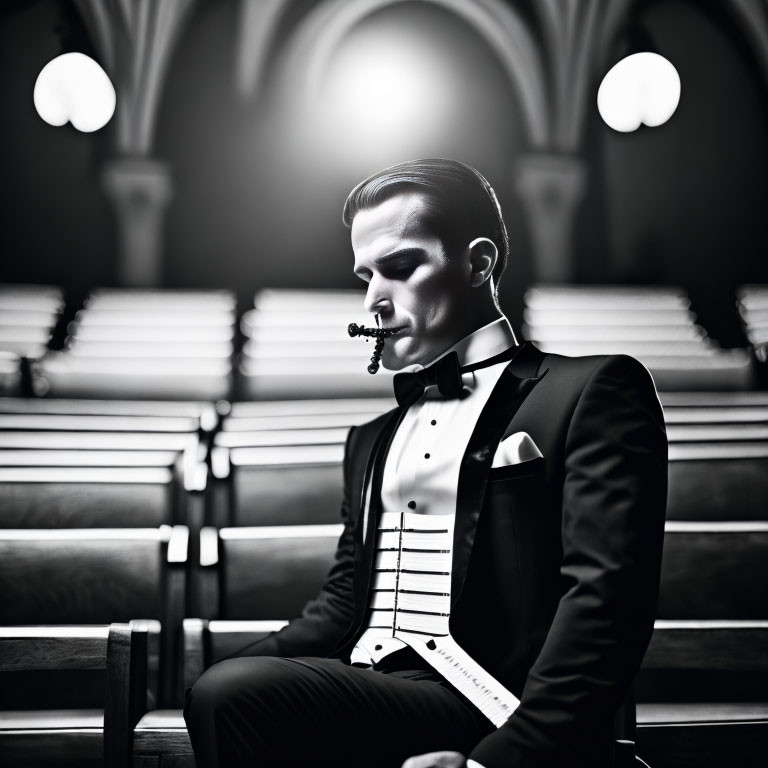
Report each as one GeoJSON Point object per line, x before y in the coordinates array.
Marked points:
{"type": "Point", "coordinates": [74, 88]}
{"type": "Point", "coordinates": [642, 89]}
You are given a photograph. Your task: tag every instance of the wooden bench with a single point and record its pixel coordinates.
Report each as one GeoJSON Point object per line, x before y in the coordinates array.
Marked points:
{"type": "Point", "coordinates": [153, 378]}
{"type": "Point", "coordinates": [272, 438]}
{"type": "Point", "coordinates": [718, 482]}
{"type": "Point", "coordinates": [84, 479]}
{"type": "Point", "coordinates": [717, 433]}
{"type": "Point", "coordinates": [90, 422]}
{"type": "Point", "coordinates": [285, 408]}
{"type": "Point", "coordinates": [95, 441]}
{"type": "Point", "coordinates": [99, 735]}
{"type": "Point", "coordinates": [28, 315]}
{"type": "Point", "coordinates": [716, 414]}
{"type": "Point", "coordinates": [10, 373]}
{"type": "Point", "coordinates": [161, 734]}
{"type": "Point", "coordinates": [714, 570]}
{"type": "Point", "coordinates": [703, 694]}
{"type": "Point", "coordinates": [161, 345]}
{"type": "Point", "coordinates": [709, 570]}
{"type": "Point", "coordinates": [300, 348]}
{"type": "Point", "coordinates": [80, 464]}
{"type": "Point", "coordinates": [266, 572]}
{"type": "Point", "coordinates": [277, 485]}
{"type": "Point", "coordinates": [90, 496]}
{"type": "Point", "coordinates": [97, 576]}
{"type": "Point", "coordinates": [717, 470]}
{"type": "Point", "coordinates": [279, 462]}
{"type": "Point", "coordinates": [264, 378]}
{"type": "Point", "coordinates": [203, 414]}
{"type": "Point", "coordinates": [713, 400]}
{"type": "Point", "coordinates": [715, 419]}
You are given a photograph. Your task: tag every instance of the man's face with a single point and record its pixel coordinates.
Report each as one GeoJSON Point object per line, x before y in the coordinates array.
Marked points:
{"type": "Point", "coordinates": [412, 281]}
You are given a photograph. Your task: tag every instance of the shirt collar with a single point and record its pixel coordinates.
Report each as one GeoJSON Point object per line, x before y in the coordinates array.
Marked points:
{"type": "Point", "coordinates": [479, 345]}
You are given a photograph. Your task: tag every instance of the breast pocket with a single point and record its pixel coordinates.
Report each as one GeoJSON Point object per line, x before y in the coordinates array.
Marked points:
{"type": "Point", "coordinates": [512, 471]}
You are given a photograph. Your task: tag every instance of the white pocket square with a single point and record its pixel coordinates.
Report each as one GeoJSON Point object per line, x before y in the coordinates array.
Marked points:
{"type": "Point", "coordinates": [516, 449]}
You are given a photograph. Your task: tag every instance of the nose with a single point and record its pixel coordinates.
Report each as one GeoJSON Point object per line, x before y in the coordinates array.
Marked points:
{"type": "Point", "coordinates": [377, 299]}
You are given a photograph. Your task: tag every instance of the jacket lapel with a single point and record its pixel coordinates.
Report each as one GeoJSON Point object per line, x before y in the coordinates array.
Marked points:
{"type": "Point", "coordinates": [514, 385]}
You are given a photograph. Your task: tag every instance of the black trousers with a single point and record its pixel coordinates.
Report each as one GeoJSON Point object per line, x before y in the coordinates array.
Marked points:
{"type": "Point", "coordinates": [265, 712]}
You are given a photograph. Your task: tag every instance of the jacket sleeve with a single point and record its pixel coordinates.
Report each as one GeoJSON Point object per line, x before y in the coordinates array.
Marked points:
{"type": "Point", "coordinates": [614, 504]}
{"type": "Point", "coordinates": [326, 618]}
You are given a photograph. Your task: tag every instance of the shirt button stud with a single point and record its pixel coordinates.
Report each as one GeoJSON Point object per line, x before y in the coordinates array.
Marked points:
{"type": "Point", "coordinates": [426, 455]}
{"type": "Point", "coordinates": [433, 422]}
{"type": "Point", "coordinates": [411, 505]}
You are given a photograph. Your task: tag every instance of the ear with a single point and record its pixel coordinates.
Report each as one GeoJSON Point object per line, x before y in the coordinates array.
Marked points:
{"type": "Point", "coordinates": [482, 258]}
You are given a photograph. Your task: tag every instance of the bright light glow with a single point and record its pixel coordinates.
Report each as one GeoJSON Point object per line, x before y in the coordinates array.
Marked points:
{"type": "Point", "coordinates": [74, 88]}
{"type": "Point", "coordinates": [643, 89]}
{"type": "Point", "coordinates": [381, 87]}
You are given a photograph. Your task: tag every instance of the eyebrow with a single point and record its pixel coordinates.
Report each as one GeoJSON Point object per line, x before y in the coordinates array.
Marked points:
{"type": "Point", "coordinates": [380, 261]}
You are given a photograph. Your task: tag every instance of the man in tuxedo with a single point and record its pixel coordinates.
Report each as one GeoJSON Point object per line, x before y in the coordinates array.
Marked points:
{"type": "Point", "coordinates": [550, 474]}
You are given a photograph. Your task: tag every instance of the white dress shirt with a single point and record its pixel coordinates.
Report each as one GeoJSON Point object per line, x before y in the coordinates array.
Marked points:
{"type": "Point", "coordinates": [422, 467]}
{"type": "Point", "coordinates": [421, 470]}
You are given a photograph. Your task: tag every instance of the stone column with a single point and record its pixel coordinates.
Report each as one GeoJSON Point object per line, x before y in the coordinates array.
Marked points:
{"type": "Point", "coordinates": [551, 187]}
{"type": "Point", "coordinates": [140, 190]}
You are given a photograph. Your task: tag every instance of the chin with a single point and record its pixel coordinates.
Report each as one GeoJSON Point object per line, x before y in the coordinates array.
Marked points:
{"type": "Point", "coordinates": [393, 363]}
{"type": "Point", "coordinates": [394, 359]}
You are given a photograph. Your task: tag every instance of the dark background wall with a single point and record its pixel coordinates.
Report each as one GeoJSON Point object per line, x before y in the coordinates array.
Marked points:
{"type": "Point", "coordinates": [55, 222]}
{"type": "Point", "coordinates": [259, 186]}
{"type": "Point", "coordinates": [685, 203]}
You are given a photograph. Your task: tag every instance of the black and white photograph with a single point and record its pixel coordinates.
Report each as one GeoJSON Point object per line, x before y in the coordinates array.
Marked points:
{"type": "Point", "coordinates": [384, 384]}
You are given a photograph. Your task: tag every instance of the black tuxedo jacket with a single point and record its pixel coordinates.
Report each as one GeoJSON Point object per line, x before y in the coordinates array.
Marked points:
{"type": "Point", "coordinates": [556, 560]}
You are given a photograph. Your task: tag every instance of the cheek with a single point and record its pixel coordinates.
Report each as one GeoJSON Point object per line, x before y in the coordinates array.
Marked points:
{"type": "Point", "coordinates": [435, 295]}
{"type": "Point", "coordinates": [447, 298]}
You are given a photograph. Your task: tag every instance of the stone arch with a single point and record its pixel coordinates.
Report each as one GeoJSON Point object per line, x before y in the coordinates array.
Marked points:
{"type": "Point", "coordinates": [751, 19]}
{"type": "Point", "coordinates": [312, 44]}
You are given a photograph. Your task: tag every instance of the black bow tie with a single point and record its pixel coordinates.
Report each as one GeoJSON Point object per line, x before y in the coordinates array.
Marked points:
{"type": "Point", "coordinates": [445, 373]}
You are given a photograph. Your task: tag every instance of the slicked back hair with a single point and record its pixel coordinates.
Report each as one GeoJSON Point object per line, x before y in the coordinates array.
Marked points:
{"type": "Point", "coordinates": [461, 204]}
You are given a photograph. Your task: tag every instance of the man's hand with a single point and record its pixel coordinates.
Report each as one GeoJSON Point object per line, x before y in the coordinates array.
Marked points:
{"type": "Point", "coordinates": [436, 760]}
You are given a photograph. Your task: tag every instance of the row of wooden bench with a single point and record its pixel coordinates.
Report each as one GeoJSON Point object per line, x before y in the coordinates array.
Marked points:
{"type": "Point", "coordinates": [264, 463]}
{"type": "Point", "coordinates": [181, 343]}
{"type": "Point", "coordinates": [714, 556]}
{"type": "Point", "coordinates": [291, 484]}
{"type": "Point", "coordinates": [129, 729]}
{"type": "Point", "coordinates": [712, 570]}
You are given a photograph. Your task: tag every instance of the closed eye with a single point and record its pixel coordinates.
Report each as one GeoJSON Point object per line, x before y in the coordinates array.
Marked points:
{"type": "Point", "coordinates": [394, 266]}
{"type": "Point", "coordinates": [398, 271]}
{"type": "Point", "coordinates": [390, 272]}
